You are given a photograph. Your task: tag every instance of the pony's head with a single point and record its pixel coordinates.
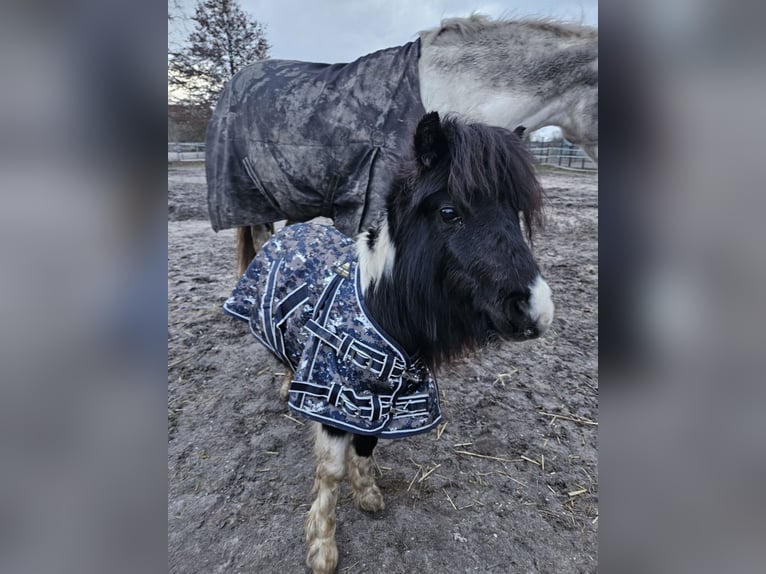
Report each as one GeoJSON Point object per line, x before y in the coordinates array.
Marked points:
{"type": "Point", "coordinates": [450, 269]}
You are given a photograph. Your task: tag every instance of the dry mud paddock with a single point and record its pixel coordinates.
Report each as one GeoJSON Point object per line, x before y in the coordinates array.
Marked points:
{"type": "Point", "coordinates": [508, 484]}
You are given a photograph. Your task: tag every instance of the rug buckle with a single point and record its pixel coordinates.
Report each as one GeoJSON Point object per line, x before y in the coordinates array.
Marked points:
{"type": "Point", "coordinates": [343, 270]}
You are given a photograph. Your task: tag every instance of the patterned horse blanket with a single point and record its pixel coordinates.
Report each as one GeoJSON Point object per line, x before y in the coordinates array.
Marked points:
{"type": "Point", "coordinates": [303, 300]}
{"type": "Point", "coordinates": [297, 140]}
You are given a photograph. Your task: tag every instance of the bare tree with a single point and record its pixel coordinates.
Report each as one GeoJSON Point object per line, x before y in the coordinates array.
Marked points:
{"type": "Point", "coordinates": [224, 39]}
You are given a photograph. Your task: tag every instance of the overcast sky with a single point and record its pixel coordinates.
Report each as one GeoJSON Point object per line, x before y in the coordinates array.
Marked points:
{"type": "Point", "coordinates": [343, 30]}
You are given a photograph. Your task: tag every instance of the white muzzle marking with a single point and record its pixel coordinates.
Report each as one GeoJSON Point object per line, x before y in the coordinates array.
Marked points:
{"type": "Point", "coordinates": [540, 304]}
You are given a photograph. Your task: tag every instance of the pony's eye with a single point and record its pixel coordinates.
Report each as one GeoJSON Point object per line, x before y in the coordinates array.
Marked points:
{"type": "Point", "coordinates": [450, 215]}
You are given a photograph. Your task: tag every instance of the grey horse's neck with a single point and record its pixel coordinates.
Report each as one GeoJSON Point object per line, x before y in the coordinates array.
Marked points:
{"type": "Point", "coordinates": [509, 73]}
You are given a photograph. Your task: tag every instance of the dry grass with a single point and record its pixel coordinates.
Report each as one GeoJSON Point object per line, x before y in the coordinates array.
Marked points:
{"type": "Point", "coordinates": [497, 458]}
{"type": "Point", "coordinates": [576, 419]}
{"type": "Point", "coordinates": [293, 419]}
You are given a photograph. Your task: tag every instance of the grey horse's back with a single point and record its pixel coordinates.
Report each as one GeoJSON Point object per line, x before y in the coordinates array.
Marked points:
{"type": "Point", "coordinates": [297, 140]}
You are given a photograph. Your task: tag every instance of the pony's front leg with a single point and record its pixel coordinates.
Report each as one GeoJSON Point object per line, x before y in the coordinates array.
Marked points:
{"type": "Point", "coordinates": [367, 495]}
{"type": "Point", "coordinates": [330, 448]}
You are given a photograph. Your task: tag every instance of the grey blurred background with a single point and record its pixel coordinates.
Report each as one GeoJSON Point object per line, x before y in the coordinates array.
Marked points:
{"type": "Point", "coordinates": [682, 430]}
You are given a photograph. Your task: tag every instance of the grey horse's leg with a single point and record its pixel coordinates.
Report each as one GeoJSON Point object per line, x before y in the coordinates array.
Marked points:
{"type": "Point", "coordinates": [250, 239]}
{"type": "Point", "coordinates": [284, 388]}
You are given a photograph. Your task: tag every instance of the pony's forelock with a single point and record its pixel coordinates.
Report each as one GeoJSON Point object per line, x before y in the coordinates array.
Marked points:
{"type": "Point", "coordinates": [491, 161]}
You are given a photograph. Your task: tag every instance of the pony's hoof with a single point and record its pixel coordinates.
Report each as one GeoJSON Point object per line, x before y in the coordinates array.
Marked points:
{"type": "Point", "coordinates": [322, 556]}
{"type": "Point", "coordinates": [370, 499]}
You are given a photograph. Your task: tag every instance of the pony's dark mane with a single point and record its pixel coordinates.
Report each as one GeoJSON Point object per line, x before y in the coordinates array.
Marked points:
{"type": "Point", "coordinates": [412, 302]}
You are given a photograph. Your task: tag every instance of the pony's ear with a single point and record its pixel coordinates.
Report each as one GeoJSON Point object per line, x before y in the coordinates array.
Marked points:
{"type": "Point", "coordinates": [430, 140]}
{"type": "Point", "coordinates": [519, 131]}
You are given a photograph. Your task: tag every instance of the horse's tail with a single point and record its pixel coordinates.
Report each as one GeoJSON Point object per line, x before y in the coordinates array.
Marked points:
{"type": "Point", "coordinates": [250, 239]}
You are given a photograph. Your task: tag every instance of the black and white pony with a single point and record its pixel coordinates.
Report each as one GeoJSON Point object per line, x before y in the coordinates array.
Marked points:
{"type": "Point", "coordinates": [297, 140]}
{"type": "Point", "coordinates": [364, 324]}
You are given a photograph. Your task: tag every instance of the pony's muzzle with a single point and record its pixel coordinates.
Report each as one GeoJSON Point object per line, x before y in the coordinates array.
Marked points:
{"type": "Point", "coordinates": [540, 306]}
{"type": "Point", "coordinates": [530, 312]}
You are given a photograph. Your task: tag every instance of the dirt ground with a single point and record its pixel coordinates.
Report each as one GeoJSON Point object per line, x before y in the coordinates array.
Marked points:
{"type": "Point", "coordinates": [508, 484]}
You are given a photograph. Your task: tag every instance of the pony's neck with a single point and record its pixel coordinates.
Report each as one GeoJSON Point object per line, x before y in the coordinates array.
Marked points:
{"type": "Point", "coordinates": [385, 297]}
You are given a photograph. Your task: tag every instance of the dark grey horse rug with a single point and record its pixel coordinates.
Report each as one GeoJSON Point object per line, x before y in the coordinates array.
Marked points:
{"type": "Point", "coordinates": [297, 140]}
{"type": "Point", "coordinates": [303, 300]}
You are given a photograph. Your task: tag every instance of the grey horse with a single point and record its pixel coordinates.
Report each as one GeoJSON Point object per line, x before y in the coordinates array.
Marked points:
{"type": "Point", "coordinates": [297, 140]}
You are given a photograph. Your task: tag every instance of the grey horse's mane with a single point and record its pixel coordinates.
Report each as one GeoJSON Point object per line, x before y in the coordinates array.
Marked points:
{"type": "Point", "coordinates": [460, 29]}
{"type": "Point", "coordinates": [543, 54]}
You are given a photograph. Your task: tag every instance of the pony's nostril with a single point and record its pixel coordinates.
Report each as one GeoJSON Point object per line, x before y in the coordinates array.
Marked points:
{"type": "Point", "coordinates": [518, 296]}
{"type": "Point", "coordinates": [517, 304]}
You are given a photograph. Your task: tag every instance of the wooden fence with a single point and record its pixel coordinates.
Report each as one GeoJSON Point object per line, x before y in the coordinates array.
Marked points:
{"type": "Point", "coordinates": [562, 154]}
{"type": "Point", "coordinates": [194, 151]}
